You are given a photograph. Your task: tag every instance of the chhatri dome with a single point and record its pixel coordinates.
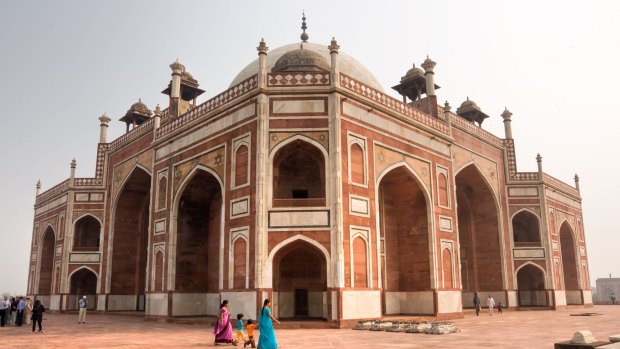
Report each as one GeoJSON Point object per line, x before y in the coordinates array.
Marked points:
{"type": "Point", "coordinates": [309, 55]}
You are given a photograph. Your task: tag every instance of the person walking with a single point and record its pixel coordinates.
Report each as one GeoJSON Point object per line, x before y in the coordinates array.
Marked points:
{"type": "Point", "coordinates": [21, 308]}
{"type": "Point", "coordinates": [267, 338]}
{"type": "Point", "coordinates": [3, 311]}
{"type": "Point", "coordinates": [28, 315]}
{"type": "Point", "coordinates": [83, 305]}
{"type": "Point", "coordinates": [613, 298]}
{"type": "Point", "coordinates": [491, 304]}
{"type": "Point", "coordinates": [223, 328]}
{"type": "Point", "coordinates": [477, 303]}
{"type": "Point", "coordinates": [37, 315]}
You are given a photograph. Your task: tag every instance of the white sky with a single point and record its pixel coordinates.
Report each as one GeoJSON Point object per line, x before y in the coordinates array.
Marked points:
{"type": "Point", "coordinates": [554, 64]}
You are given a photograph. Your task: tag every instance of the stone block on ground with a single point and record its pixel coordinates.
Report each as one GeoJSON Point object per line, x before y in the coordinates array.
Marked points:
{"type": "Point", "coordinates": [443, 327]}
{"type": "Point", "coordinates": [363, 325]}
{"type": "Point", "coordinates": [615, 338]}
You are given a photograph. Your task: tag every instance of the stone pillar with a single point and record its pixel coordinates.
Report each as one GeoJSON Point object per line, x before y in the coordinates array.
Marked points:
{"type": "Point", "coordinates": [333, 53]}
{"type": "Point", "coordinates": [540, 169]}
{"type": "Point", "coordinates": [577, 182]}
{"type": "Point", "coordinates": [262, 63]}
{"type": "Point", "coordinates": [72, 176]}
{"type": "Point", "coordinates": [103, 128]}
{"type": "Point", "coordinates": [157, 118]}
{"type": "Point", "coordinates": [506, 115]}
{"type": "Point", "coordinates": [429, 75]}
{"type": "Point", "coordinates": [175, 87]}
{"type": "Point", "coordinates": [38, 187]}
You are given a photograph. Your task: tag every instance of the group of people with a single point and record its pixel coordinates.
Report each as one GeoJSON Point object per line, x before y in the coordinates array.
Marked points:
{"type": "Point", "coordinates": [224, 334]}
{"type": "Point", "coordinates": [17, 311]}
{"type": "Point", "coordinates": [490, 304]}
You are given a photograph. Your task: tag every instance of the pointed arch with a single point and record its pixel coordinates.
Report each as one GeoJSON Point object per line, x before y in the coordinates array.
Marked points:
{"type": "Point", "coordinates": [531, 282]}
{"type": "Point", "coordinates": [127, 248]}
{"type": "Point", "coordinates": [408, 257]}
{"type": "Point", "coordinates": [214, 240]}
{"type": "Point", "coordinates": [46, 266]}
{"type": "Point", "coordinates": [87, 238]}
{"type": "Point", "coordinates": [323, 167]}
{"type": "Point", "coordinates": [482, 266]}
{"type": "Point", "coordinates": [523, 230]}
{"type": "Point", "coordinates": [570, 257]}
{"type": "Point", "coordinates": [267, 275]}
{"type": "Point", "coordinates": [83, 281]}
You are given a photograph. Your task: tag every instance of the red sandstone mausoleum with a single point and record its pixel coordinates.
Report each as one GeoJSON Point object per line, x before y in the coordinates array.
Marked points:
{"type": "Point", "coordinates": [306, 183]}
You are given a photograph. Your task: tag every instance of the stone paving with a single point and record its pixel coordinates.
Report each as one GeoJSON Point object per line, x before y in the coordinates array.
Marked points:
{"type": "Point", "coordinates": [522, 329]}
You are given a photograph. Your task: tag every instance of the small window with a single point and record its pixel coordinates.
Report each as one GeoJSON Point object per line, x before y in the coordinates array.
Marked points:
{"type": "Point", "coordinates": [300, 193]}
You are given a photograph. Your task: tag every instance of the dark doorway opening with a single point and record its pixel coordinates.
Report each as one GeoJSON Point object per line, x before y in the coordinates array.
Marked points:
{"type": "Point", "coordinates": [301, 302]}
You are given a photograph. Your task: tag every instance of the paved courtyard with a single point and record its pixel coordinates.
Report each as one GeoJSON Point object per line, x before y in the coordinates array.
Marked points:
{"type": "Point", "coordinates": [525, 329]}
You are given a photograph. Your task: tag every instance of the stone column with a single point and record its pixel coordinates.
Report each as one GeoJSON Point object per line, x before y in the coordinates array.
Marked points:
{"type": "Point", "coordinates": [175, 87]}
{"type": "Point", "coordinates": [540, 169]}
{"type": "Point", "coordinates": [38, 188]}
{"type": "Point", "coordinates": [157, 118]}
{"type": "Point", "coordinates": [72, 176]}
{"type": "Point", "coordinates": [262, 63]}
{"type": "Point", "coordinates": [333, 70]}
{"type": "Point", "coordinates": [429, 75]}
{"type": "Point", "coordinates": [506, 115]}
{"type": "Point", "coordinates": [577, 182]}
{"type": "Point", "coordinates": [103, 128]}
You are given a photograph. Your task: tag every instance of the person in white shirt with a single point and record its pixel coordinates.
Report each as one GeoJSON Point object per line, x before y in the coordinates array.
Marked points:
{"type": "Point", "coordinates": [490, 304]}
{"type": "Point", "coordinates": [4, 309]}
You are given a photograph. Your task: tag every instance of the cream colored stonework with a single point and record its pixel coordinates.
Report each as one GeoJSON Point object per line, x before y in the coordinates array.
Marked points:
{"type": "Point", "coordinates": [320, 137]}
{"type": "Point", "coordinates": [123, 170]}
{"type": "Point", "coordinates": [386, 157]}
{"type": "Point", "coordinates": [461, 157]}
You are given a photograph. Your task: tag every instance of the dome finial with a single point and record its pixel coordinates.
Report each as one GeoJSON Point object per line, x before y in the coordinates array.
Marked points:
{"type": "Point", "coordinates": [304, 36]}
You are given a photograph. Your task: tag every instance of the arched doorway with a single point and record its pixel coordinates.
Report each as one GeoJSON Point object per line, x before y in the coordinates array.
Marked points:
{"type": "Point", "coordinates": [531, 287]}
{"type": "Point", "coordinates": [86, 234]}
{"type": "Point", "coordinates": [298, 176]}
{"type": "Point", "coordinates": [570, 267]}
{"type": "Point", "coordinates": [404, 229]}
{"type": "Point", "coordinates": [479, 236]}
{"type": "Point", "coordinates": [198, 230]}
{"type": "Point", "coordinates": [525, 229]}
{"type": "Point", "coordinates": [300, 282]}
{"type": "Point", "coordinates": [46, 271]}
{"type": "Point", "coordinates": [129, 245]}
{"type": "Point", "coordinates": [83, 283]}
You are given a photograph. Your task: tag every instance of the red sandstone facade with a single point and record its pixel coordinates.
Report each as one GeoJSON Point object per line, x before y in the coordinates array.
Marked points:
{"type": "Point", "coordinates": [305, 183]}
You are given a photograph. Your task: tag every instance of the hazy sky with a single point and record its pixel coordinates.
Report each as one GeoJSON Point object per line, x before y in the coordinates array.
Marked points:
{"type": "Point", "coordinates": [554, 64]}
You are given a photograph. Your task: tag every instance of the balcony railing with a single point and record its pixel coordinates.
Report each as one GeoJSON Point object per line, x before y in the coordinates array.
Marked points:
{"type": "Point", "coordinates": [308, 202]}
{"type": "Point", "coordinates": [85, 249]}
{"type": "Point", "coordinates": [527, 244]}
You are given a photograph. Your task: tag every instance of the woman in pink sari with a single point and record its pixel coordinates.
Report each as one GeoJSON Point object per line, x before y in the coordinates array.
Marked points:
{"type": "Point", "coordinates": [223, 329]}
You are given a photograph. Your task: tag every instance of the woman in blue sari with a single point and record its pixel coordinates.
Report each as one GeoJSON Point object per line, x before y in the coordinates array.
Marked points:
{"type": "Point", "coordinates": [267, 339]}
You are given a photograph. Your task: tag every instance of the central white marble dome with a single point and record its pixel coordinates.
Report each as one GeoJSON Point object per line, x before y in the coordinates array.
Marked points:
{"type": "Point", "coordinates": [347, 64]}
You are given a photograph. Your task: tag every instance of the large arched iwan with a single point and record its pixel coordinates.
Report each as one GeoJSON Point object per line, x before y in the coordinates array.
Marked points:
{"type": "Point", "coordinates": [479, 235]}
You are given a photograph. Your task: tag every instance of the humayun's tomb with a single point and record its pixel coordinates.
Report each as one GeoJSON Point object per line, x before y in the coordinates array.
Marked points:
{"type": "Point", "coordinates": [305, 183]}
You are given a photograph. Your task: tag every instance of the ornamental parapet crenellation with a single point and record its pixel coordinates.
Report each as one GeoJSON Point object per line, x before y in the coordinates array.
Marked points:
{"type": "Point", "coordinates": [559, 185]}
{"type": "Point", "coordinates": [225, 97]}
{"type": "Point", "coordinates": [53, 192]}
{"type": "Point", "coordinates": [414, 114]}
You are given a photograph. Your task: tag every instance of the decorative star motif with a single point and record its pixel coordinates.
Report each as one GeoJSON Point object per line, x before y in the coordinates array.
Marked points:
{"type": "Point", "coordinates": [218, 159]}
